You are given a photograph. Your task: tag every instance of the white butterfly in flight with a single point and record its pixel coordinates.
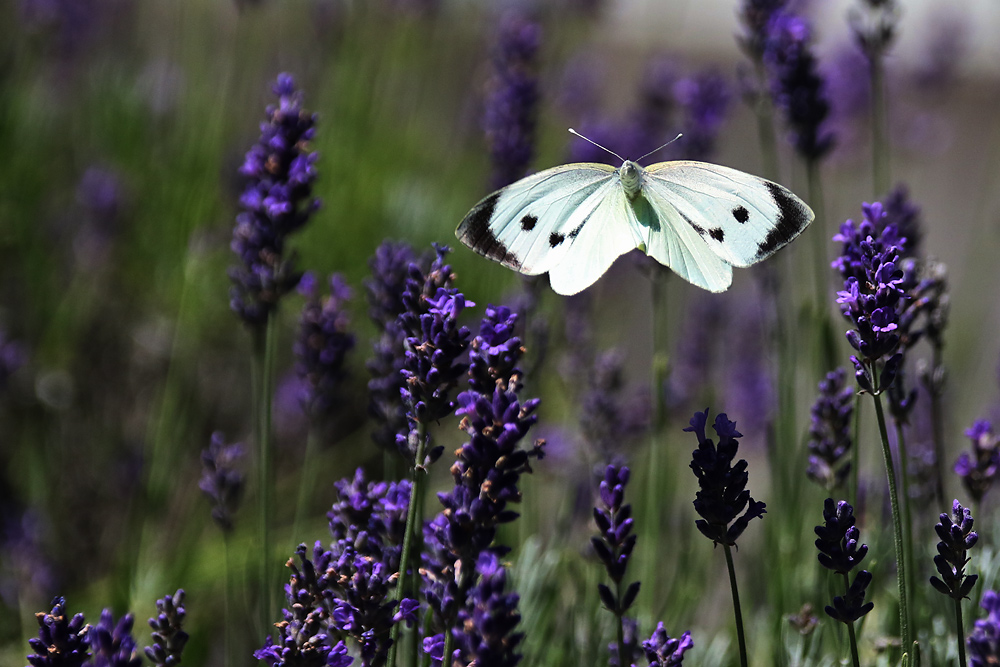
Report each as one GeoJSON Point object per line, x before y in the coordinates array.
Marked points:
{"type": "Point", "coordinates": [575, 220]}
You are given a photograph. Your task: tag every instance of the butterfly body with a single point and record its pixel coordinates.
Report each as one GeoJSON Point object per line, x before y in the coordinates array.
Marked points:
{"type": "Point", "coordinates": [573, 221]}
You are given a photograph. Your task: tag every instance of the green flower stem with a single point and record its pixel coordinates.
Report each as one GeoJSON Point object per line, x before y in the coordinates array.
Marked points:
{"type": "Point", "coordinates": [658, 490]}
{"type": "Point", "coordinates": [961, 634]}
{"type": "Point", "coordinates": [620, 629]}
{"type": "Point", "coordinates": [897, 524]}
{"type": "Point", "coordinates": [418, 476]}
{"type": "Point", "coordinates": [855, 450]}
{"type": "Point", "coordinates": [905, 505]}
{"type": "Point", "coordinates": [827, 357]}
{"type": "Point", "coordinates": [937, 424]}
{"type": "Point", "coordinates": [307, 482]}
{"type": "Point", "coordinates": [852, 637]}
{"type": "Point", "coordinates": [263, 361]}
{"type": "Point", "coordinates": [736, 606]}
{"type": "Point", "coordinates": [449, 640]}
{"type": "Point", "coordinates": [764, 111]}
{"type": "Point", "coordinates": [880, 143]}
{"type": "Point", "coordinates": [228, 640]}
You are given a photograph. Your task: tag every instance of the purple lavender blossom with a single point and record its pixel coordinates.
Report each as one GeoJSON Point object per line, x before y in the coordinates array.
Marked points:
{"type": "Point", "coordinates": [62, 641]}
{"type": "Point", "coordinates": [756, 17]}
{"type": "Point", "coordinates": [276, 201]}
{"type": "Point", "coordinates": [870, 297]}
{"type": "Point", "coordinates": [490, 637]}
{"type": "Point", "coordinates": [840, 551]}
{"type": "Point", "coordinates": [663, 651]}
{"type": "Point", "coordinates": [957, 537]}
{"type": "Point", "coordinates": [496, 351]}
{"type": "Point", "coordinates": [616, 541]}
{"type": "Point", "coordinates": [511, 106]}
{"type": "Point", "coordinates": [796, 83]}
{"type": "Point", "coordinates": [221, 480]}
{"type": "Point", "coordinates": [979, 469]}
{"type": "Point", "coordinates": [984, 642]}
{"type": "Point", "coordinates": [435, 343]}
{"type": "Point", "coordinates": [703, 99]}
{"type": "Point", "coordinates": [323, 344]}
{"type": "Point", "coordinates": [168, 636]}
{"type": "Point", "coordinates": [605, 419]}
{"type": "Point", "coordinates": [722, 493]}
{"type": "Point", "coordinates": [905, 216]}
{"type": "Point", "coordinates": [112, 643]}
{"type": "Point", "coordinates": [830, 431]}
{"type": "Point", "coordinates": [390, 268]}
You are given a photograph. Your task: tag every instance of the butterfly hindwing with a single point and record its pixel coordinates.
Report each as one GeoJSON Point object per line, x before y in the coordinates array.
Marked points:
{"type": "Point", "coordinates": [526, 225]}
{"type": "Point", "coordinates": [742, 218]}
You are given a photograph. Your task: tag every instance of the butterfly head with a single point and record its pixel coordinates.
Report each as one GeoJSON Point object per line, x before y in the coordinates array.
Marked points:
{"type": "Point", "coordinates": [630, 175]}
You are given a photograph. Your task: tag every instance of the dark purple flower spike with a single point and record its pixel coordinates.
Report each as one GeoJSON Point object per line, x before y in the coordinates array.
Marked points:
{"type": "Point", "coordinates": [841, 551]}
{"type": "Point", "coordinates": [169, 638]}
{"type": "Point", "coordinates": [62, 641]}
{"type": "Point", "coordinates": [957, 537]}
{"type": "Point", "coordinates": [984, 642]}
{"type": "Point", "coordinates": [979, 469]}
{"type": "Point", "coordinates": [323, 344]}
{"type": "Point", "coordinates": [830, 431]}
{"type": "Point", "coordinates": [112, 643]}
{"type": "Point", "coordinates": [221, 480]}
{"type": "Point", "coordinates": [662, 651]}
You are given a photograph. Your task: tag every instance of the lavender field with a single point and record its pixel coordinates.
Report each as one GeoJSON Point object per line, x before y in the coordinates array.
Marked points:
{"type": "Point", "coordinates": [254, 389]}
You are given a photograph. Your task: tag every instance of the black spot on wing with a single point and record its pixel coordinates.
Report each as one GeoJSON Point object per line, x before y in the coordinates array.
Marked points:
{"type": "Point", "coordinates": [741, 214]}
{"type": "Point", "coordinates": [528, 222]}
{"type": "Point", "coordinates": [718, 234]}
{"type": "Point", "coordinates": [475, 232]}
{"type": "Point", "coordinates": [555, 238]}
{"type": "Point", "coordinates": [793, 216]}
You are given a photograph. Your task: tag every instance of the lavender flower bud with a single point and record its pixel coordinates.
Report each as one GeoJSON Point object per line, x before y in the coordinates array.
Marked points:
{"type": "Point", "coordinates": [168, 637]}
{"type": "Point", "coordinates": [662, 651]}
{"type": "Point", "coordinates": [62, 641]}
{"type": "Point", "coordinates": [957, 537]}
{"type": "Point", "coordinates": [323, 344]}
{"type": "Point", "coordinates": [984, 642]}
{"type": "Point", "coordinates": [830, 431]}
{"type": "Point", "coordinates": [616, 541]}
{"type": "Point", "coordinates": [220, 479]}
{"type": "Point", "coordinates": [112, 644]}
{"type": "Point", "coordinates": [979, 469]}
{"type": "Point", "coordinates": [722, 494]}
{"type": "Point", "coordinates": [840, 551]}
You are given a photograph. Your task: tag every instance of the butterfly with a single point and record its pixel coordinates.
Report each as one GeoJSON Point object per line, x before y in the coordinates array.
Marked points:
{"type": "Point", "coordinates": [575, 220]}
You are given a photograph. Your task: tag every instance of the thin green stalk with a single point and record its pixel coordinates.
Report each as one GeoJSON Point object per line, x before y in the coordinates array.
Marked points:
{"type": "Point", "coordinates": [736, 606]}
{"type": "Point", "coordinates": [448, 641]}
{"type": "Point", "coordinates": [961, 634]}
{"type": "Point", "coordinates": [897, 525]}
{"type": "Point", "coordinates": [764, 112]}
{"type": "Point", "coordinates": [880, 144]}
{"type": "Point", "coordinates": [850, 627]}
{"type": "Point", "coordinates": [264, 349]}
{"type": "Point", "coordinates": [655, 484]}
{"type": "Point", "coordinates": [827, 357]}
{"type": "Point", "coordinates": [855, 451]}
{"type": "Point", "coordinates": [937, 424]}
{"type": "Point", "coordinates": [417, 477]}
{"type": "Point", "coordinates": [905, 504]}
{"type": "Point", "coordinates": [307, 482]}
{"type": "Point", "coordinates": [620, 629]}
{"type": "Point", "coordinates": [229, 645]}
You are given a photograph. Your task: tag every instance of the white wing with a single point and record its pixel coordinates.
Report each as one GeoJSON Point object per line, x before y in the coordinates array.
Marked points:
{"type": "Point", "coordinates": [741, 218]}
{"type": "Point", "coordinates": [550, 221]}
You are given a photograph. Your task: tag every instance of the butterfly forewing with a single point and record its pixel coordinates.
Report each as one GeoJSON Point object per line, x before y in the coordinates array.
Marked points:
{"type": "Point", "coordinates": [742, 218]}
{"type": "Point", "coordinates": [526, 225]}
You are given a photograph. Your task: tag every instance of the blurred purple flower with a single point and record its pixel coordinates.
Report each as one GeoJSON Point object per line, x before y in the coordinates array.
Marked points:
{"type": "Point", "coordinates": [221, 481]}
{"type": "Point", "coordinates": [830, 431]}
{"type": "Point", "coordinates": [979, 469]}
{"type": "Point", "coordinates": [277, 200]}
{"type": "Point", "coordinates": [984, 642]}
{"type": "Point", "coordinates": [606, 420]}
{"type": "Point", "coordinates": [703, 98]}
{"type": "Point", "coordinates": [112, 643]}
{"type": "Point", "coordinates": [512, 101]}
{"type": "Point", "coordinates": [323, 344]}
{"type": "Point", "coordinates": [755, 15]}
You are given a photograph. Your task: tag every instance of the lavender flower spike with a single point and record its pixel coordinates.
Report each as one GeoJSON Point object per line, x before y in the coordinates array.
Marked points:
{"type": "Point", "coordinates": [979, 469]}
{"type": "Point", "coordinates": [662, 651]}
{"type": "Point", "coordinates": [62, 641]}
{"type": "Point", "coordinates": [984, 642]}
{"type": "Point", "coordinates": [276, 201]}
{"type": "Point", "coordinates": [616, 542]}
{"type": "Point", "coordinates": [722, 495]}
{"type": "Point", "coordinates": [168, 637]}
{"type": "Point", "coordinates": [323, 344]}
{"type": "Point", "coordinates": [830, 431]}
{"type": "Point", "coordinates": [840, 551]}
{"type": "Point", "coordinates": [112, 643]}
{"type": "Point", "coordinates": [957, 537]}
{"type": "Point", "coordinates": [221, 480]}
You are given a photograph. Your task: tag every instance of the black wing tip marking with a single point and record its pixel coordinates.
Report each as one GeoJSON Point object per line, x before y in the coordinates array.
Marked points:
{"type": "Point", "coordinates": [475, 232]}
{"type": "Point", "coordinates": [741, 214]}
{"type": "Point", "coordinates": [793, 217]}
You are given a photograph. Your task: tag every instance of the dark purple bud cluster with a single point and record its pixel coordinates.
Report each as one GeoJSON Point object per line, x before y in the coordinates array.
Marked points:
{"type": "Point", "coordinates": [496, 351]}
{"type": "Point", "coordinates": [492, 617]}
{"type": "Point", "coordinates": [957, 537]}
{"type": "Point", "coordinates": [663, 651]}
{"type": "Point", "coordinates": [323, 344]}
{"type": "Point", "coordinates": [169, 637]}
{"type": "Point", "coordinates": [112, 644]}
{"type": "Point", "coordinates": [435, 344]}
{"type": "Point", "coordinates": [796, 84]}
{"type": "Point", "coordinates": [221, 480]}
{"type": "Point", "coordinates": [839, 550]}
{"type": "Point", "coordinates": [722, 494]}
{"type": "Point", "coordinates": [703, 99]}
{"type": "Point", "coordinates": [871, 297]}
{"type": "Point", "coordinates": [905, 216]}
{"type": "Point", "coordinates": [390, 267]}
{"type": "Point", "coordinates": [512, 102]}
{"type": "Point", "coordinates": [62, 640]}
{"type": "Point", "coordinates": [616, 541]}
{"type": "Point", "coordinates": [984, 642]}
{"type": "Point", "coordinates": [277, 200]}
{"type": "Point", "coordinates": [830, 431]}
{"type": "Point", "coordinates": [979, 469]}
{"type": "Point", "coordinates": [346, 591]}
{"type": "Point", "coordinates": [756, 18]}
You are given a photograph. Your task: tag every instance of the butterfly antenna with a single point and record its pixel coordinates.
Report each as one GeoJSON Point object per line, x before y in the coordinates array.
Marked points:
{"type": "Point", "coordinates": [572, 131]}
{"type": "Point", "coordinates": [660, 148]}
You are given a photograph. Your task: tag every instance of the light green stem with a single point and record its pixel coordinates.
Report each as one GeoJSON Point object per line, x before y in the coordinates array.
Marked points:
{"type": "Point", "coordinates": [264, 348]}
{"type": "Point", "coordinates": [880, 144]}
{"type": "Point", "coordinates": [765, 126]}
{"type": "Point", "coordinates": [960, 630]}
{"type": "Point", "coordinates": [850, 627]}
{"type": "Point", "coordinates": [417, 477]}
{"type": "Point", "coordinates": [307, 482]}
{"type": "Point", "coordinates": [229, 644]}
{"type": "Point", "coordinates": [736, 606]}
{"type": "Point", "coordinates": [905, 505]}
{"type": "Point", "coordinates": [449, 640]}
{"type": "Point", "coordinates": [897, 524]}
